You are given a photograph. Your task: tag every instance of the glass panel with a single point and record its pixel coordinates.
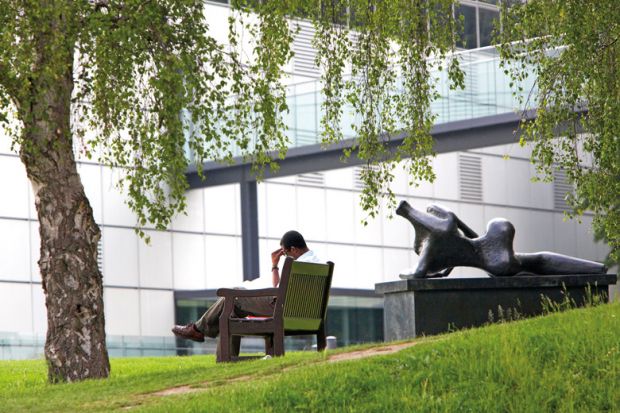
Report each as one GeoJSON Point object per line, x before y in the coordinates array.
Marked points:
{"type": "Point", "coordinates": [487, 93]}
{"type": "Point", "coordinates": [306, 106]}
{"type": "Point", "coordinates": [351, 325]}
{"type": "Point", "coordinates": [355, 320]}
{"type": "Point", "coordinates": [14, 190]}
{"type": "Point", "coordinates": [188, 261]}
{"type": "Point", "coordinates": [14, 248]}
{"type": "Point", "coordinates": [336, 301]}
{"type": "Point", "coordinates": [188, 311]}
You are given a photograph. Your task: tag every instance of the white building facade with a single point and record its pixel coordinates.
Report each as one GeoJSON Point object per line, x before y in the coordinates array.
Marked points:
{"type": "Point", "coordinates": [149, 288]}
{"type": "Point", "coordinates": [202, 251]}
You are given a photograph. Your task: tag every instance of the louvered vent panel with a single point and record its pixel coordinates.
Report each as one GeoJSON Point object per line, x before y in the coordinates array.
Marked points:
{"type": "Point", "coordinates": [312, 178]}
{"type": "Point", "coordinates": [100, 256]}
{"type": "Point", "coordinates": [358, 183]}
{"type": "Point", "coordinates": [305, 54]}
{"type": "Point", "coordinates": [561, 188]}
{"type": "Point", "coordinates": [354, 38]}
{"type": "Point", "coordinates": [470, 177]}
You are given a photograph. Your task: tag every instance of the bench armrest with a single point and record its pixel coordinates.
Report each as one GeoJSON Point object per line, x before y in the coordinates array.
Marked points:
{"type": "Point", "coordinates": [262, 292]}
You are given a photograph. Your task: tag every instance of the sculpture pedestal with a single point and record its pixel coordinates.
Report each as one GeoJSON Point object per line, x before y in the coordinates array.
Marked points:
{"type": "Point", "coordinates": [432, 306]}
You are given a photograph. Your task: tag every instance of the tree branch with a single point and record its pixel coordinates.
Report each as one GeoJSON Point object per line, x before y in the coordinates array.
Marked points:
{"type": "Point", "coordinates": [603, 47]}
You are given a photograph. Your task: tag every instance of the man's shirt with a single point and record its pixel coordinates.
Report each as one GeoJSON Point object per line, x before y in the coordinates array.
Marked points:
{"type": "Point", "coordinates": [310, 256]}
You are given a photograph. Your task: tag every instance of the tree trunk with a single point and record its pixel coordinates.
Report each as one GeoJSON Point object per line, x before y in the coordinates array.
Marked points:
{"type": "Point", "coordinates": [75, 348]}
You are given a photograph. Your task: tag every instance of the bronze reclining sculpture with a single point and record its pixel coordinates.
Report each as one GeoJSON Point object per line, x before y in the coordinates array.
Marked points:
{"type": "Point", "coordinates": [443, 242]}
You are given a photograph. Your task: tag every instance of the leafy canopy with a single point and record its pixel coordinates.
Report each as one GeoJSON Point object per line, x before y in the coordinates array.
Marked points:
{"type": "Point", "coordinates": [573, 49]}
{"type": "Point", "coordinates": [152, 83]}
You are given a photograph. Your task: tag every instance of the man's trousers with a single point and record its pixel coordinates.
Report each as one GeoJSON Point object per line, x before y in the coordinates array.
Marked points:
{"type": "Point", "coordinates": [209, 323]}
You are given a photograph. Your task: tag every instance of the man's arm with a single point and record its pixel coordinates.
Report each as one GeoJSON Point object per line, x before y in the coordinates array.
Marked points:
{"type": "Point", "coordinates": [275, 271]}
{"type": "Point", "coordinates": [275, 276]}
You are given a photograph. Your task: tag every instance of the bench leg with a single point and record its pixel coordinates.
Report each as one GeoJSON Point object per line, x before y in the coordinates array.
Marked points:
{"type": "Point", "coordinates": [223, 349]}
{"type": "Point", "coordinates": [321, 341]}
{"type": "Point", "coordinates": [235, 342]}
{"type": "Point", "coordinates": [269, 345]}
{"type": "Point", "coordinates": [227, 348]}
{"type": "Point", "coordinates": [278, 342]}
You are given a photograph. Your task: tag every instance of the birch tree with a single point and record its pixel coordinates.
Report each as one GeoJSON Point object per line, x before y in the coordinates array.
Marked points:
{"type": "Point", "coordinates": [137, 84]}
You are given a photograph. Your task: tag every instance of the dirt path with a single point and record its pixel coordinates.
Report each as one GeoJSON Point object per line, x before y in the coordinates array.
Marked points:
{"type": "Point", "coordinates": [195, 388]}
{"type": "Point", "coordinates": [352, 355]}
{"type": "Point", "coordinates": [369, 352]}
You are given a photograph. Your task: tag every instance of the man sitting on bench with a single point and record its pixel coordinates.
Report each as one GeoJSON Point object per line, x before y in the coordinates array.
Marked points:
{"type": "Point", "coordinates": [292, 245]}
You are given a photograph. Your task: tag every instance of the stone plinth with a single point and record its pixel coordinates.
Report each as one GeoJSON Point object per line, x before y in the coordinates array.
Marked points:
{"type": "Point", "coordinates": [432, 306]}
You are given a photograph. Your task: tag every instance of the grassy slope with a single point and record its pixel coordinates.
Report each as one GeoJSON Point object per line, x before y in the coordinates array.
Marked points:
{"type": "Point", "coordinates": [564, 362]}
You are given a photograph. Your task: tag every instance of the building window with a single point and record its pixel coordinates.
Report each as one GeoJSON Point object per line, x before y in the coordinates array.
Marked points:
{"type": "Point", "coordinates": [467, 38]}
{"type": "Point", "coordinates": [479, 20]}
{"type": "Point", "coordinates": [487, 22]}
{"type": "Point", "coordinates": [355, 320]}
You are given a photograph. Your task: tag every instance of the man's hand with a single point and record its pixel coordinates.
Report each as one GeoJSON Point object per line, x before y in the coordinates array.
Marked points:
{"type": "Point", "coordinates": [275, 257]}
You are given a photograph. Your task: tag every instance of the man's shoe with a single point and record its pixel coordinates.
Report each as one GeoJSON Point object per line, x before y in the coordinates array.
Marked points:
{"type": "Point", "coordinates": [189, 332]}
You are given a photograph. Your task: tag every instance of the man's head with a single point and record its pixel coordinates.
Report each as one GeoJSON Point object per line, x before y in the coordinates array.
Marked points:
{"type": "Point", "coordinates": [293, 244]}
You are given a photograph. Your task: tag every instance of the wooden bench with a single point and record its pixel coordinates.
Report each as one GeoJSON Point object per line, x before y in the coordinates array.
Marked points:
{"type": "Point", "coordinates": [300, 309]}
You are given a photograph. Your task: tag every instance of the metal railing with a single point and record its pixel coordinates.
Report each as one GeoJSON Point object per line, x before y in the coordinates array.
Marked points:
{"type": "Point", "coordinates": [488, 91]}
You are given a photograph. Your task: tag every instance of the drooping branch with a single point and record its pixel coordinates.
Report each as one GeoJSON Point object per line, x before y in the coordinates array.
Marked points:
{"type": "Point", "coordinates": [10, 83]}
{"type": "Point", "coordinates": [572, 49]}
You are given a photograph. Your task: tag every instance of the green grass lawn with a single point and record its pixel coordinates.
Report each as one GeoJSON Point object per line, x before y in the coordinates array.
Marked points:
{"type": "Point", "coordinates": [563, 362]}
